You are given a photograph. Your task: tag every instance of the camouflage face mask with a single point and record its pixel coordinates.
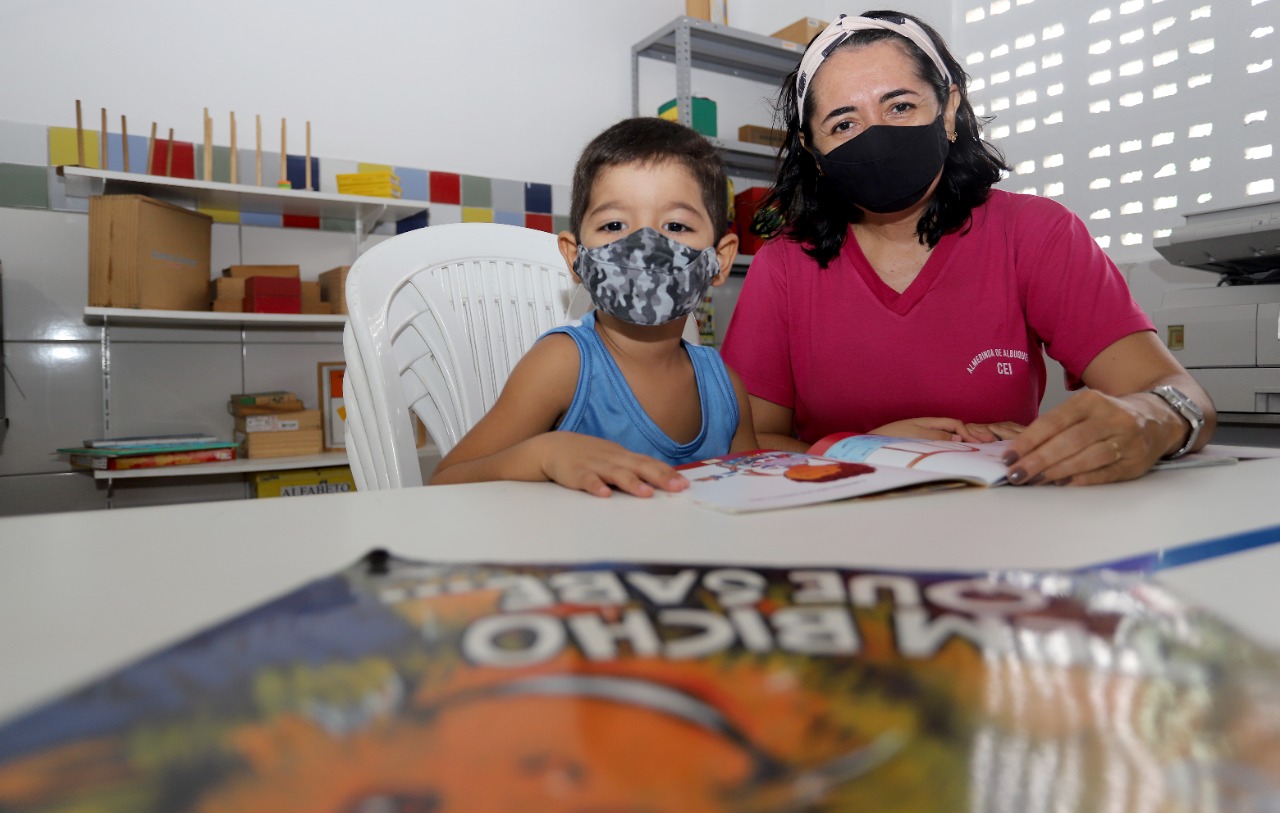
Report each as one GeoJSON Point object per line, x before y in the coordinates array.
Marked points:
{"type": "Point", "coordinates": [646, 278]}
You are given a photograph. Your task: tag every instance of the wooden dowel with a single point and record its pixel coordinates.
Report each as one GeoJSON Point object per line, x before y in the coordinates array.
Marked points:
{"type": "Point", "coordinates": [79, 136]}
{"type": "Point", "coordinates": [124, 141]}
{"type": "Point", "coordinates": [284, 157]}
{"type": "Point", "coordinates": [235, 159]}
{"type": "Point", "coordinates": [168, 157]}
{"type": "Point", "coordinates": [102, 148]}
{"type": "Point", "coordinates": [257, 121]}
{"type": "Point", "coordinates": [307, 184]}
{"type": "Point", "coordinates": [151, 150]}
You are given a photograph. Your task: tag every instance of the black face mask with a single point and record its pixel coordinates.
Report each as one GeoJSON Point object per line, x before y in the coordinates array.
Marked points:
{"type": "Point", "coordinates": [886, 168]}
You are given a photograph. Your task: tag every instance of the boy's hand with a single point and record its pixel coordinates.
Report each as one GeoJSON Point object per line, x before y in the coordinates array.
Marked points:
{"type": "Point", "coordinates": [950, 429]}
{"type": "Point", "coordinates": [592, 465]}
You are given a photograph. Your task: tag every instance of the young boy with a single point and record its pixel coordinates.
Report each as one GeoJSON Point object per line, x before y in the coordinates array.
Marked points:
{"type": "Point", "coordinates": [620, 399]}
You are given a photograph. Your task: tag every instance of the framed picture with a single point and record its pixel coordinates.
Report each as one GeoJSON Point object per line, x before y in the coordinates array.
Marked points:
{"type": "Point", "coordinates": [332, 411]}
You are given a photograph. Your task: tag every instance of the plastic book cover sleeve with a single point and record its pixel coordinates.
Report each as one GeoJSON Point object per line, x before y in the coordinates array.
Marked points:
{"type": "Point", "coordinates": [398, 685]}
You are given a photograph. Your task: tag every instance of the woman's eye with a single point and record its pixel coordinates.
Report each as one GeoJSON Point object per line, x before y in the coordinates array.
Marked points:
{"type": "Point", "coordinates": [903, 107]}
{"type": "Point", "coordinates": [843, 128]}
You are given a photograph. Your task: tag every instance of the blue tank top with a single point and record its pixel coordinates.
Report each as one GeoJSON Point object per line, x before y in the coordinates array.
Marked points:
{"type": "Point", "coordinates": [604, 406]}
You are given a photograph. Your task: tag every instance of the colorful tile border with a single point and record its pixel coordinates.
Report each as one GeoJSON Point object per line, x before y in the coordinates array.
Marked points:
{"type": "Point", "coordinates": [454, 197]}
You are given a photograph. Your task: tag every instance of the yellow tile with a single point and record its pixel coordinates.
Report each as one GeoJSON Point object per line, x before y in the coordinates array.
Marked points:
{"type": "Point", "coordinates": [363, 167]}
{"type": "Point", "coordinates": [474, 214]}
{"type": "Point", "coordinates": [223, 215]}
{"type": "Point", "coordinates": [63, 150]}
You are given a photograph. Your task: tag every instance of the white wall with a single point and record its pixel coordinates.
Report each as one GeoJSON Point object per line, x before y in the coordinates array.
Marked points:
{"type": "Point", "coordinates": [502, 88]}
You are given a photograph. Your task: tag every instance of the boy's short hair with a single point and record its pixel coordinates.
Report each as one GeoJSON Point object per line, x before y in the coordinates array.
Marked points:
{"type": "Point", "coordinates": [652, 140]}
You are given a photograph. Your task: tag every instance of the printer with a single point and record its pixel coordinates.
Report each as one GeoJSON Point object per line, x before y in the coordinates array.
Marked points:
{"type": "Point", "coordinates": [1228, 335]}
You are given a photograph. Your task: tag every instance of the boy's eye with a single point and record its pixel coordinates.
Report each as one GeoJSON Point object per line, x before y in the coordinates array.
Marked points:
{"type": "Point", "coordinates": [613, 225]}
{"type": "Point", "coordinates": [676, 227]}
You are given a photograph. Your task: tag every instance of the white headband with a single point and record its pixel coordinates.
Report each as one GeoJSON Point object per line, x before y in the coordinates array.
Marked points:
{"type": "Point", "coordinates": [836, 33]}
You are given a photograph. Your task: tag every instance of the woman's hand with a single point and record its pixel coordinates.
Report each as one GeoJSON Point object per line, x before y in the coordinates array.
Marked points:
{"type": "Point", "coordinates": [1094, 438]}
{"type": "Point", "coordinates": [590, 464]}
{"type": "Point", "coordinates": [950, 429]}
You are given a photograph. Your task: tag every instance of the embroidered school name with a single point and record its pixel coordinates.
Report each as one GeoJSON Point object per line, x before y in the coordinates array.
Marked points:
{"type": "Point", "coordinates": [997, 353]}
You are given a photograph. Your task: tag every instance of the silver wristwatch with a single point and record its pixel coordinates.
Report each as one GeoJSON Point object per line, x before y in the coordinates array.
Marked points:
{"type": "Point", "coordinates": [1188, 409]}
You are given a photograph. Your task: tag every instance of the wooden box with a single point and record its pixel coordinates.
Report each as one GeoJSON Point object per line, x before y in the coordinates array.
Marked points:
{"type": "Point", "coordinates": [145, 253]}
{"type": "Point", "coordinates": [801, 31]}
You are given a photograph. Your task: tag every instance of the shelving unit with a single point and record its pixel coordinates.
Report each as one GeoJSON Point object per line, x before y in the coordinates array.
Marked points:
{"type": "Point", "coordinates": [691, 43]}
{"type": "Point", "coordinates": [365, 212]}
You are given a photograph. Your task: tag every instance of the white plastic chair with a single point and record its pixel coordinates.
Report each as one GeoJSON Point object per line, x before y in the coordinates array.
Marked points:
{"type": "Point", "coordinates": [438, 317]}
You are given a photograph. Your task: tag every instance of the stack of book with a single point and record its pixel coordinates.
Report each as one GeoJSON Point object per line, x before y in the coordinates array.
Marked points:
{"type": "Point", "coordinates": [373, 184]}
{"type": "Point", "coordinates": [149, 451]}
{"type": "Point", "coordinates": [275, 424]}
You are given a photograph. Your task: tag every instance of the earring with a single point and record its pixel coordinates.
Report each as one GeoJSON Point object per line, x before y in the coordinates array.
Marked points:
{"type": "Point", "coordinates": [951, 136]}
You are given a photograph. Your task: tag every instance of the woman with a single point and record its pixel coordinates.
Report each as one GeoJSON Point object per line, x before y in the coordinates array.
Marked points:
{"type": "Point", "coordinates": [903, 285]}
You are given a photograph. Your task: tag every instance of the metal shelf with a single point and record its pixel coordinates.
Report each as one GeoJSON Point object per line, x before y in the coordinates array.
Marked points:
{"type": "Point", "coordinates": [368, 211]}
{"type": "Point", "coordinates": [691, 43]}
{"type": "Point", "coordinates": [139, 316]}
{"type": "Point", "coordinates": [238, 466]}
{"type": "Point", "coordinates": [721, 49]}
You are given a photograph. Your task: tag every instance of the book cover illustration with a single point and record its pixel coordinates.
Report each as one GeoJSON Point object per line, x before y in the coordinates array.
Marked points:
{"type": "Point", "coordinates": [408, 686]}
{"type": "Point", "coordinates": [765, 480]}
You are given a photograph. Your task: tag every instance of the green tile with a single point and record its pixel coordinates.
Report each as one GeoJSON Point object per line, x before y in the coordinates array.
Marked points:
{"type": "Point", "coordinates": [337, 224]}
{"type": "Point", "coordinates": [24, 185]}
{"type": "Point", "coordinates": [477, 192]}
{"type": "Point", "coordinates": [221, 164]}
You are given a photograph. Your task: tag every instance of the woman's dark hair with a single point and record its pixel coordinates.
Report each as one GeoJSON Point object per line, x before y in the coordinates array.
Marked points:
{"type": "Point", "coordinates": [651, 140]}
{"type": "Point", "coordinates": [811, 213]}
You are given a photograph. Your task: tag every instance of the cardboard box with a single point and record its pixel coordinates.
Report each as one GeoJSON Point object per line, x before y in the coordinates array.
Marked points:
{"type": "Point", "coordinates": [228, 305]}
{"type": "Point", "coordinates": [704, 115]}
{"type": "Point", "coordinates": [317, 308]}
{"type": "Point", "coordinates": [304, 482]}
{"type": "Point", "coordinates": [243, 271]}
{"type": "Point", "coordinates": [281, 444]}
{"type": "Point", "coordinates": [802, 30]}
{"type": "Point", "coordinates": [144, 253]}
{"type": "Point", "coordinates": [333, 287]}
{"type": "Point", "coordinates": [279, 421]}
{"type": "Point", "coordinates": [227, 288]}
{"type": "Point", "coordinates": [755, 134]}
{"type": "Point", "coordinates": [716, 11]}
{"type": "Point", "coordinates": [310, 293]}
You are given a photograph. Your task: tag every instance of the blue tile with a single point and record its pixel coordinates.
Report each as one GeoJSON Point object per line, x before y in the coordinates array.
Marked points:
{"type": "Point", "coordinates": [510, 218]}
{"type": "Point", "coordinates": [537, 197]}
{"type": "Point", "coordinates": [413, 183]}
{"type": "Point", "coordinates": [256, 219]}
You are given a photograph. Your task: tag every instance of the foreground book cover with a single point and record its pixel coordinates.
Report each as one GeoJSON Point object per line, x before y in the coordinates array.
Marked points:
{"type": "Point", "coordinates": [398, 685]}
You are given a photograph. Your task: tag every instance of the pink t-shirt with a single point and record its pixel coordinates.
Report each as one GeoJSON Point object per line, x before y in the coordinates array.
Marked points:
{"type": "Point", "coordinates": [848, 353]}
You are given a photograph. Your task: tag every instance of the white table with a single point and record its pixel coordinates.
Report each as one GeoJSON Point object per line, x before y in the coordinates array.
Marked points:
{"type": "Point", "coordinates": [84, 593]}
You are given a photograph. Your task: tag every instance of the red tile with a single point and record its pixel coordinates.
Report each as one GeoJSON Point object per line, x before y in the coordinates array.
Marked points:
{"type": "Point", "coordinates": [539, 222]}
{"type": "Point", "coordinates": [446, 187]}
{"type": "Point", "coordinates": [300, 222]}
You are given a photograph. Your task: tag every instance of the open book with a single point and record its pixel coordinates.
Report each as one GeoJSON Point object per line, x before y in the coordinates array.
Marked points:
{"type": "Point", "coordinates": [838, 467]}
{"type": "Point", "coordinates": [845, 465]}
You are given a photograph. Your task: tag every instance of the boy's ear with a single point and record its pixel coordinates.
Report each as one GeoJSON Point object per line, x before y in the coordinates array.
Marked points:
{"type": "Point", "coordinates": [567, 242]}
{"type": "Point", "coordinates": [726, 251]}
